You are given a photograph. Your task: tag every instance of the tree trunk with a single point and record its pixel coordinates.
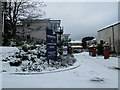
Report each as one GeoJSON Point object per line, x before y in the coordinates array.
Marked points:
{"type": "Point", "coordinates": [14, 31]}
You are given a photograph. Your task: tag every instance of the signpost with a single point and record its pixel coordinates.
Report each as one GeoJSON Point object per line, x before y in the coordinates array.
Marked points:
{"type": "Point", "coordinates": [51, 42]}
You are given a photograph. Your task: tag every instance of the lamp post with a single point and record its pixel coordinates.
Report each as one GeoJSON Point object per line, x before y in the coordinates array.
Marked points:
{"type": "Point", "coordinates": [3, 23]}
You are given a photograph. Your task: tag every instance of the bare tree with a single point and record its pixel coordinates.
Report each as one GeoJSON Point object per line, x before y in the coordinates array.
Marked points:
{"type": "Point", "coordinates": [18, 9]}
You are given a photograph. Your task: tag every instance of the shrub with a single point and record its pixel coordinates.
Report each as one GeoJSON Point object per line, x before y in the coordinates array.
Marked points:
{"type": "Point", "coordinates": [4, 60]}
{"type": "Point", "coordinates": [4, 71]}
{"type": "Point", "coordinates": [25, 58]}
{"type": "Point", "coordinates": [33, 47]}
{"type": "Point", "coordinates": [100, 49]}
{"type": "Point", "coordinates": [38, 55]}
{"type": "Point", "coordinates": [16, 63]}
{"type": "Point", "coordinates": [33, 59]}
{"type": "Point", "coordinates": [17, 53]}
{"type": "Point", "coordinates": [18, 56]}
{"type": "Point", "coordinates": [6, 43]}
{"type": "Point", "coordinates": [29, 52]}
{"type": "Point", "coordinates": [25, 48]}
{"type": "Point", "coordinates": [38, 42]}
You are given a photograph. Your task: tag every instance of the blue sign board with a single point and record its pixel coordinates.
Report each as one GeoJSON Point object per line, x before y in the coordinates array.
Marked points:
{"type": "Point", "coordinates": [51, 42]}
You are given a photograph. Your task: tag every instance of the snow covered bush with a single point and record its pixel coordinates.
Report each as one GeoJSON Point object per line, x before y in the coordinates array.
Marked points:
{"type": "Point", "coordinates": [68, 61]}
{"type": "Point", "coordinates": [15, 62]}
{"type": "Point", "coordinates": [63, 62]}
{"type": "Point", "coordinates": [33, 65]}
{"type": "Point", "coordinates": [18, 56]}
{"type": "Point", "coordinates": [33, 47]}
{"type": "Point", "coordinates": [24, 48]}
{"type": "Point", "coordinates": [31, 58]}
{"type": "Point", "coordinates": [24, 57]}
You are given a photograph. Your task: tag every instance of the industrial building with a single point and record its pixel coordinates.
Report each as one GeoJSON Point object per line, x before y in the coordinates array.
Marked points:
{"type": "Point", "coordinates": [111, 35]}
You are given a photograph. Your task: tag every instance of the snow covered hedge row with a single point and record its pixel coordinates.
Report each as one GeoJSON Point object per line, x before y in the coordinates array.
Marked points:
{"type": "Point", "coordinates": [31, 58]}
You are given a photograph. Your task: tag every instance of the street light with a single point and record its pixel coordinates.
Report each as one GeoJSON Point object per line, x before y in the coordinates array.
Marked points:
{"type": "Point", "coordinates": [3, 23]}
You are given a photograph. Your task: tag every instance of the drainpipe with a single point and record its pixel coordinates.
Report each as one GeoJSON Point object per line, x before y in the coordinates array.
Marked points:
{"type": "Point", "coordinates": [113, 38]}
{"type": "Point", "coordinates": [110, 42]}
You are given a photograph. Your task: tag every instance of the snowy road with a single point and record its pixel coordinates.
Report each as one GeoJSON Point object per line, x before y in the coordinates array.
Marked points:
{"type": "Point", "coordinates": [94, 72]}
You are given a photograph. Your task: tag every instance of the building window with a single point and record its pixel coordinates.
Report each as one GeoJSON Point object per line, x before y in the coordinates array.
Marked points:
{"type": "Point", "coordinates": [28, 25]}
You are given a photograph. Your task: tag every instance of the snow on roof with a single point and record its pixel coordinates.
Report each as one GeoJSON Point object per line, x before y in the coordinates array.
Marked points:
{"type": "Point", "coordinates": [94, 39]}
{"type": "Point", "coordinates": [93, 45]}
{"type": "Point", "coordinates": [55, 20]}
{"type": "Point", "coordinates": [75, 42]}
{"type": "Point", "coordinates": [77, 46]}
{"type": "Point", "coordinates": [109, 26]}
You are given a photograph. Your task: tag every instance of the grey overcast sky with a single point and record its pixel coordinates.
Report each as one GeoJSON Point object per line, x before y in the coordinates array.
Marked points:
{"type": "Point", "coordinates": [81, 19]}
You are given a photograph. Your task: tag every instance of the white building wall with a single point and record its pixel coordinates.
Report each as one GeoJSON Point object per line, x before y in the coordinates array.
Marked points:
{"type": "Point", "coordinates": [36, 30]}
{"type": "Point", "coordinates": [39, 35]}
{"type": "Point", "coordinates": [110, 35]}
{"type": "Point", "coordinates": [116, 34]}
{"type": "Point", "coordinates": [39, 31]}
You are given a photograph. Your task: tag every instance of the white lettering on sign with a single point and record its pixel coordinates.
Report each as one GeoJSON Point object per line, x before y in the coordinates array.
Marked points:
{"type": "Point", "coordinates": [49, 36]}
{"type": "Point", "coordinates": [51, 43]}
{"type": "Point", "coordinates": [52, 52]}
{"type": "Point", "coordinates": [51, 47]}
{"type": "Point", "coordinates": [65, 51]}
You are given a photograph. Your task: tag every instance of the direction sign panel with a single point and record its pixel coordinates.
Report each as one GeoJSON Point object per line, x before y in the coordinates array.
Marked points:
{"type": "Point", "coordinates": [65, 50]}
{"type": "Point", "coordinates": [51, 42]}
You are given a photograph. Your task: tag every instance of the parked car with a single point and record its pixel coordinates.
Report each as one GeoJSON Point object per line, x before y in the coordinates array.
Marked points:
{"type": "Point", "coordinates": [76, 51]}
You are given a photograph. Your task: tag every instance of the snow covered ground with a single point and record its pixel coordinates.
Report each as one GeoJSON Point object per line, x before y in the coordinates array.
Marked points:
{"type": "Point", "coordinates": [93, 72]}
{"type": "Point", "coordinates": [0, 69]}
